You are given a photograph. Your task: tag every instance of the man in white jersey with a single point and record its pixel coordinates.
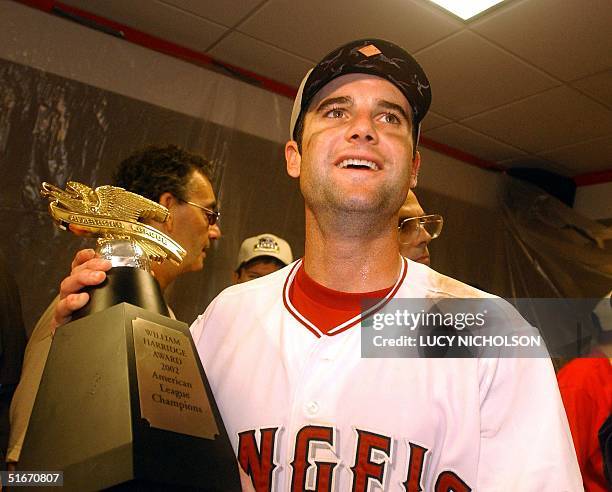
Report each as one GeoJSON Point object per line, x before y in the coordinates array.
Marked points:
{"type": "Point", "coordinates": [303, 409]}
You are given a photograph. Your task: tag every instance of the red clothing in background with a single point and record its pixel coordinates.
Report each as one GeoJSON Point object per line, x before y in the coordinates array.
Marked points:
{"type": "Point", "coordinates": [586, 389]}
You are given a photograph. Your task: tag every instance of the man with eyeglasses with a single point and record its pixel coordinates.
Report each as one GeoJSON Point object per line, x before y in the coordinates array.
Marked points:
{"type": "Point", "coordinates": [416, 230]}
{"type": "Point", "coordinates": [181, 182]}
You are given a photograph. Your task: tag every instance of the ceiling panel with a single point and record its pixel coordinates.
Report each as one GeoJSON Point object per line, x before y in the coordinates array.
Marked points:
{"type": "Point", "coordinates": [546, 121]}
{"type": "Point", "coordinates": [570, 38]}
{"type": "Point", "coordinates": [433, 120]}
{"type": "Point", "coordinates": [469, 75]}
{"type": "Point", "coordinates": [594, 155]}
{"type": "Point", "coordinates": [163, 21]}
{"type": "Point", "coordinates": [227, 13]}
{"type": "Point", "coordinates": [246, 52]}
{"type": "Point", "coordinates": [598, 86]}
{"type": "Point", "coordinates": [473, 142]}
{"type": "Point", "coordinates": [313, 28]}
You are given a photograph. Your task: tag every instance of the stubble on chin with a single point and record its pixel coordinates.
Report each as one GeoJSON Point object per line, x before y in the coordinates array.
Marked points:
{"type": "Point", "coordinates": [350, 214]}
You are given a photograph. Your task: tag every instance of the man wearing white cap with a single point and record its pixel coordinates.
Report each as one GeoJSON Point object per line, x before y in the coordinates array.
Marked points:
{"type": "Point", "coordinates": [261, 255]}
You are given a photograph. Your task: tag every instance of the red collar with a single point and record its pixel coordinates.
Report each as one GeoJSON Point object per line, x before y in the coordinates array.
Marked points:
{"type": "Point", "coordinates": [329, 312]}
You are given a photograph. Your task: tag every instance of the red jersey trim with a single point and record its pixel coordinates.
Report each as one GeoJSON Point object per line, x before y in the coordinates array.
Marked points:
{"type": "Point", "coordinates": [288, 281]}
{"type": "Point", "coordinates": [349, 323]}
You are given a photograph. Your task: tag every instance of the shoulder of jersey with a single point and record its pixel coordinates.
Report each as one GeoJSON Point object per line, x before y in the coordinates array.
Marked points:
{"type": "Point", "coordinates": [443, 286]}
{"type": "Point", "coordinates": [439, 284]}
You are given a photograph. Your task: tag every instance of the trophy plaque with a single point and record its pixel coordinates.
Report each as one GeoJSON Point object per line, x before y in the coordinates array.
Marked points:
{"type": "Point", "coordinates": [124, 402]}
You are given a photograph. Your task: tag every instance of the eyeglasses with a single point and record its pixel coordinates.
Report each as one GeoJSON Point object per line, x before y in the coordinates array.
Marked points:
{"type": "Point", "coordinates": [411, 227]}
{"type": "Point", "coordinates": [211, 215]}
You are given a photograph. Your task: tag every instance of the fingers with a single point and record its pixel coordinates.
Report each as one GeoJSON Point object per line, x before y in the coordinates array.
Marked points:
{"type": "Point", "coordinates": [91, 272]}
{"type": "Point", "coordinates": [82, 256]}
{"type": "Point", "coordinates": [95, 264]}
{"type": "Point", "coordinates": [87, 270]}
{"type": "Point", "coordinates": [80, 231]}
{"type": "Point", "coordinates": [66, 307]}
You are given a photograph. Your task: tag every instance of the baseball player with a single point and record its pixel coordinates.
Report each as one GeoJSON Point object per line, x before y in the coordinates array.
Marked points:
{"type": "Point", "coordinates": [261, 255]}
{"type": "Point", "coordinates": [417, 230]}
{"type": "Point", "coordinates": [304, 410]}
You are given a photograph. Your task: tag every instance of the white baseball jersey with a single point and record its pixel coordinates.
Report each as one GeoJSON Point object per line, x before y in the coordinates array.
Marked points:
{"type": "Point", "coordinates": [304, 411]}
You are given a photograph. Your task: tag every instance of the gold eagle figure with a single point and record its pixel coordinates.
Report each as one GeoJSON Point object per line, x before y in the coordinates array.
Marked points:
{"type": "Point", "coordinates": [105, 201]}
{"type": "Point", "coordinates": [106, 204]}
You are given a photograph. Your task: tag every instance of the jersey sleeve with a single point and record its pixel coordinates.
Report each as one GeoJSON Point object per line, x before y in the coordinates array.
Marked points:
{"type": "Point", "coordinates": [207, 336]}
{"type": "Point", "coordinates": [525, 441]}
{"type": "Point", "coordinates": [197, 327]}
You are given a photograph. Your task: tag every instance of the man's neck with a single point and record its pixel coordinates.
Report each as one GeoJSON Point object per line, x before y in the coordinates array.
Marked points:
{"type": "Point", "coordinates": [165, 273]}
{"type": "Point", "coordinates": [362, 260]}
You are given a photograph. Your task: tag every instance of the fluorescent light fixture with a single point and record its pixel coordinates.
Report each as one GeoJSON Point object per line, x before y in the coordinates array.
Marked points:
{"type": "Point", "coordinates": [466, 9]}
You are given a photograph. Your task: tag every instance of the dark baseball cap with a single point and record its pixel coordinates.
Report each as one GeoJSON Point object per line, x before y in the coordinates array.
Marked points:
{"type": "Point", "coordinates": [374, 57]}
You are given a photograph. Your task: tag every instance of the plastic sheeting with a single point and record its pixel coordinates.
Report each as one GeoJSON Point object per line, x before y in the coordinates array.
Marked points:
{"type": "Point", "coordinates": [552, 251]}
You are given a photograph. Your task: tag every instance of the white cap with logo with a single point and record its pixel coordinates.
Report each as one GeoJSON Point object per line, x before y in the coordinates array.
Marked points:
{"type": "Point", "coordinates": [264, 245]}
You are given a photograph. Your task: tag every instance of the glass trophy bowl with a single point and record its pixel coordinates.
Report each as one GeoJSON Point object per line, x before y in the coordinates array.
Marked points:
{"type": "Point", "coordinates": [124, 253]}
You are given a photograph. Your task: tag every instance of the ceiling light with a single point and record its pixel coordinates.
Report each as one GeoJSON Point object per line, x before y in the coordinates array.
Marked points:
{"type": "Point", "coordinates": [466, 9]}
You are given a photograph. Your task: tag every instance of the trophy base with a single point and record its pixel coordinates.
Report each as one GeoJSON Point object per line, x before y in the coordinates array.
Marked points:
{"type": "Point", "coordinates": [102, 416]}
{"type": "Point", "coordinates": [124, 284]}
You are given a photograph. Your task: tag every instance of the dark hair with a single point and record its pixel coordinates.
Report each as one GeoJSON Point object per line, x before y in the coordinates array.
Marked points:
{"type": "Point", "coordinates": [298, 131]}
{"type": "Point", "coordinates": [265, 259]}
{"type": "Point", "coordinates": [156, 170]}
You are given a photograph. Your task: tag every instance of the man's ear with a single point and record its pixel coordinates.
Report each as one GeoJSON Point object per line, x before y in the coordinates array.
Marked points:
{"type": "Point", "coordinates": [235, 277]}
{"type": "Point", "coordinates": [293, 159]}
{"type": "Point", "coordinates": [169, 201]}
{"type": "Point", "coordinates": [414, 173]}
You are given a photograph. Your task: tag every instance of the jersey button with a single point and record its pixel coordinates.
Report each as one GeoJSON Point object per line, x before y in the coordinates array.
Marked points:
{"type": "Point", "coordinates": [312, 408]}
